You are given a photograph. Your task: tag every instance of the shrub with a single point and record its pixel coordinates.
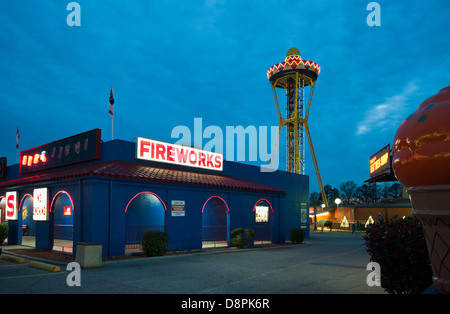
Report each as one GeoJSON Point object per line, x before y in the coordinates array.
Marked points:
{"type": "Point", "coordinates": [155, 243]}
{"type": "Point", "coordinates": [241, 237]}
{"type": "Point", "coordinates": [3, 233]}
{"type": "Point", "coordinates": [399, 247]}
{"type": "Point", "coordinates": [297, 235]}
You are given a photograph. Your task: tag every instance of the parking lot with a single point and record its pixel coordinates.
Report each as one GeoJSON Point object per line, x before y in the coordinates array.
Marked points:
{"type": "Point", "coordinates": [326, 263]}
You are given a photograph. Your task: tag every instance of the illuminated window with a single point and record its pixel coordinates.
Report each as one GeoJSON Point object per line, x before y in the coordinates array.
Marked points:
{"type": "Point", "coordinates": [262, 214]}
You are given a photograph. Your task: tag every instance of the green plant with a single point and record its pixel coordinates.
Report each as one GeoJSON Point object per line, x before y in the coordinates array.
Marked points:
{"type": "Point", "coordinates": [399, 247]}
{"type": "Point", "coordinates": [155, 243]}
{"type": "Point", "coordinates": [241, 237]}
{"type": "Point", "coordinates": [3, 233]}
{"type": "Point", "coordinates": [296, 235]}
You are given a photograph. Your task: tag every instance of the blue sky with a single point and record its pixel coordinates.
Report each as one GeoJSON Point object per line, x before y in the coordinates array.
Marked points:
{"type": "Point", "coordinates": [173, 61]}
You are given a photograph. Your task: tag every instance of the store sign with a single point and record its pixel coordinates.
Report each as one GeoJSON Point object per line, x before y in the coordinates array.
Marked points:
{"type": "Point", "coordinates": [152, 150]}
{"type": "Point", "coordinates": [178, 208]}
{"type": "Point", "coordinates": [11, 206]}
{"type": "Point", "coordinates": [40, 204]}
{"type": "Point", "coordinates": [75, 149]}
{"type": "Point", "coordinates": [379, 164]}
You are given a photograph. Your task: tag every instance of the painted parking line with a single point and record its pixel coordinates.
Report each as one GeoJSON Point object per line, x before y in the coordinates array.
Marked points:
{"type": "Point", "coordinates": [34, 275]}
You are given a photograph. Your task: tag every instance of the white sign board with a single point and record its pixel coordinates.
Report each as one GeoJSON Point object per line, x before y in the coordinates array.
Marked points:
{"type": "Point", "coordinates": [40, 204]}
{"type": "Point", "coordinates": [178, 208]}
{"type": "Point", "coordinates": [152, 150]}
{"type": "Point", "coordinates": [11, 206]}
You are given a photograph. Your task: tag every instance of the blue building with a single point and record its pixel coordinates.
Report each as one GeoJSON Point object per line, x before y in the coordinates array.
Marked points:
{"type": "Point", "coordinates": [81, 189]}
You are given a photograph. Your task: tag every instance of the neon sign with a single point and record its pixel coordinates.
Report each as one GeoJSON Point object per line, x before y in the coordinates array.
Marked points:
{"type": "Point", "coordinates": [380, 162]}
{"type": "Point", "coordinates": [75, 149]}
{"type": "Point", "coordinates": [152, 150]}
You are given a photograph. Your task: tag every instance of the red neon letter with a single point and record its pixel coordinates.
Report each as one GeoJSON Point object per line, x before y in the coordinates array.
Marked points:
{"type": "Point", "coordinates": [218, 162]}
{"type": "Point", "coordinates": [202, 159]}
{"type": "Point", "coordinates": [160, 150]}
{"type": "Point", "coordinates": [24, 160]}
{"type": "Point", "coordinates": [209, 160]}
{"type": "Point", "coordinates": [143, 148]}
{"type": "Point", "coordinates": [170, 150]}
{"type": "Point", "coordinates": [36, 158]}
{"type": "Point", "coordinates": [182, 155]}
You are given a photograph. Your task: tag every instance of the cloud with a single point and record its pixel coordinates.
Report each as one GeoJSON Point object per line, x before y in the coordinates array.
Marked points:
{"type": "Point", "coordinates": [386, 114]}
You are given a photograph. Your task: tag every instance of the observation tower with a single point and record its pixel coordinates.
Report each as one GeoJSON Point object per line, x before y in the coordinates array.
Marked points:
{"type": "Point", "coordinates": [295, 75]}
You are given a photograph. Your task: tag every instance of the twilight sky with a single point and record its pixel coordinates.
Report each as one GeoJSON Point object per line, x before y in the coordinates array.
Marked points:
{"type": "Point", "coordinates": [173, 61]}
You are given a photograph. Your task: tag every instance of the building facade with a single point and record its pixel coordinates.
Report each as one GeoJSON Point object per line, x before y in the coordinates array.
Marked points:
{"type": "Point", "coordinates": [106, 192]}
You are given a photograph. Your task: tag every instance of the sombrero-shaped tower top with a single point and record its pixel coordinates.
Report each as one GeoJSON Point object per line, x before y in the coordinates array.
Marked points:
{"type": "Point", "coordinates": [293, 63]}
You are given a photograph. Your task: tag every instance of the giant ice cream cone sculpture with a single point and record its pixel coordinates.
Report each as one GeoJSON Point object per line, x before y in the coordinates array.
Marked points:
{"type": "Point", "coordinates": [421, 162]}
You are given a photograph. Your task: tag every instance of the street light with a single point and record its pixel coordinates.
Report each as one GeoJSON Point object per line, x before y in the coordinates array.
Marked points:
{"type": "Point", "coordinates": [337, 201]}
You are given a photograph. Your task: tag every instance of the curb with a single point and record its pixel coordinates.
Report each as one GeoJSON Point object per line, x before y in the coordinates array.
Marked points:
{"type": "Point", "coordinates": [12, 258]}
{"type": "Point", "coordinates": [34, 262]}
{"type": "Point", "coordinates": [44, 266]}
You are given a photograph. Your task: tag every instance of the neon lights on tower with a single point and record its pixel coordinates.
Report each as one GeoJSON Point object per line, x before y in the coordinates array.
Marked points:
{"type": "Point", "coordinates": [295, 75]}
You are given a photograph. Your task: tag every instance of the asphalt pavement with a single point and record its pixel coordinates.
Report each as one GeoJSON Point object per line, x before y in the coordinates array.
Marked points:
{"type": "Point", "coordinates": [327, 263]}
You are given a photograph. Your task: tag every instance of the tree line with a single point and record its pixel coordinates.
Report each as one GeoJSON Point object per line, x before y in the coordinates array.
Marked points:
{"type": "Point", "coordinates": [350, 193]}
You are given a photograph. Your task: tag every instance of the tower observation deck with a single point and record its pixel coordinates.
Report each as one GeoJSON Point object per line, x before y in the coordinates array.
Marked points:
{"type": "Point", "coordinates": [296, 76]}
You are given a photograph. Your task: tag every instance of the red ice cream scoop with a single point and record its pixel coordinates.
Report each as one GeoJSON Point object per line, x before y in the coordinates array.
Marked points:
{"type": "Point", "coordinates": [421, 150]}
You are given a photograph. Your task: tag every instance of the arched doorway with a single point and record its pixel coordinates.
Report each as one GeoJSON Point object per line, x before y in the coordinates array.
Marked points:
{"type": "Point", "coordinates": [144, 212]}
{"type": "Point", "coordinates": [215, 222]}
{"type": "Point", "coordinates": [62, 209]}
{"type": "Point", "coordinates": [263, 221]}
{"type": "Point", "coordinates": [28, 224]}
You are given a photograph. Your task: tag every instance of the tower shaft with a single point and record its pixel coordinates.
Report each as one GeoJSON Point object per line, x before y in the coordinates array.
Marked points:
{"type": "Point", "coordinates": [295, 128]}
{"type": "Point", "coordinates": [294, 75]}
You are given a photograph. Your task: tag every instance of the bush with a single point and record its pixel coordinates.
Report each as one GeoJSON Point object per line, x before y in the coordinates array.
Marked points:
{"type": "Point", "coordinates": [399, 247]}
{"type": "Point", "coordinates": [155, 243]}
{"type": "Point", "coordinates": [297, 235]}
{"type": "Point", "coordinates": [3, 233]}
{"type": "Point", "coordinates": [241, 237]}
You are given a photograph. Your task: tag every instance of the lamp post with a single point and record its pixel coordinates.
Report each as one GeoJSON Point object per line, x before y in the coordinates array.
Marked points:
{"type": "Point", "coordinates": [337, 201]}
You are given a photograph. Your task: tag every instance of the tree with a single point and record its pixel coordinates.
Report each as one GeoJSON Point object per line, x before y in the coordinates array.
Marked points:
{"type": "Point", "coordinates": [395, 190]}
{"type": "Point", "coordinates": [348, 190]}
{"type": "Point", "coordinates": [368, 193]}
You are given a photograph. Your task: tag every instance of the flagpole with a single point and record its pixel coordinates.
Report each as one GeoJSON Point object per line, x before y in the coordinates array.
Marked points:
{"type": "Point", "coordinates": [112, 127]}
{"type": "Point", "coordinates": [111, 111]}
{"type": "Point", "coordinates": [17, 143]}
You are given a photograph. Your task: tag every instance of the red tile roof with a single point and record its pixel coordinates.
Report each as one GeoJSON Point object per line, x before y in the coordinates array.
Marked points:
{"type": "Point", "coordinates": [135, 171]}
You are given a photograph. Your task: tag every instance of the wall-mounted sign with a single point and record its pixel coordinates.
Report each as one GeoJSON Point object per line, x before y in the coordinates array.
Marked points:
{"type": "Point", "coordinates": [152, 150]}
{"type": "Point", "coordinates": [303, 213]}
{"type": "Point", "coordinates": [2, 167]}
{"type": "Point", "coordinates": [75, 149]}
{"type": "Point", "coordinates": [67, 211]}
{"type": "Point", "coordinates": [11, 206]}
{"type": "Point", "coordinates": [178, 208]}
{"type": "Point", "coordinates": [261, 213]}
{"type": "Point", "coordinates": [380, 163]}
{"type": "Point", "coordinates": [40, 204]}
